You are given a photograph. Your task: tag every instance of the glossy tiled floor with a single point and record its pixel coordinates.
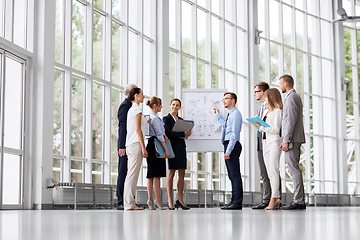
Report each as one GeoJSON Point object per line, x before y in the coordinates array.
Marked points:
{"type": "Point", "coordinates": [328, 223]}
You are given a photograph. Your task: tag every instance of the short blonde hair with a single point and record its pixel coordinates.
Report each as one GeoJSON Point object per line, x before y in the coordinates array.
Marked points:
{"type": "Point", "coordinates": [153, 100]}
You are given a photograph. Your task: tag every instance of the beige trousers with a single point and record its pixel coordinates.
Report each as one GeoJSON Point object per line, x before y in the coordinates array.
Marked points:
{"type": "Point", "coordinates": [134, 165]}
{"type": "Point", "coordinates": [272, 154]}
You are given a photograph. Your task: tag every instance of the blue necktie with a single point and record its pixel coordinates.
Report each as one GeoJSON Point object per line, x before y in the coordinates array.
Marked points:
{"type": "Point", "coordinates": [224, 130]}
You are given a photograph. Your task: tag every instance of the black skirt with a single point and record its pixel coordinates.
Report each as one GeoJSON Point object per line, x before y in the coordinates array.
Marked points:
{"type": "Point", "coordinates": [156, 166]}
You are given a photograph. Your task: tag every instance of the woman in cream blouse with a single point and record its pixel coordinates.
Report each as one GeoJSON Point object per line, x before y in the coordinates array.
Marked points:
{"type": "Point", "coordinates": [271, 142]}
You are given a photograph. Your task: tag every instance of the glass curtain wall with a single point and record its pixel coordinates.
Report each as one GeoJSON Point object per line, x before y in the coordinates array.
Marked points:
{"type": "Point", "coordinates": [297, 39]}
{"type": "Point", "coordinates": [352, 71]}
{"type": "Point", "coordinates": [208, 49]}
{"type": "Point", "coordinates": [16, 22]}
{"type": "Point", "coordinates": [100, 47]}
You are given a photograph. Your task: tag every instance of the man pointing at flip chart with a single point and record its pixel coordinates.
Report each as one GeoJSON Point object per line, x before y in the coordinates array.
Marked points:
{"type": "Point", "coordinates": [232, 148]}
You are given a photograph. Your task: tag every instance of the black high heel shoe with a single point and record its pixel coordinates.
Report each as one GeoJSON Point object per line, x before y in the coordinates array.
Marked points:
{"type": "Point", "coordinates": [171, 208]}
{"type": "Point", "coordinates": [178, 204]}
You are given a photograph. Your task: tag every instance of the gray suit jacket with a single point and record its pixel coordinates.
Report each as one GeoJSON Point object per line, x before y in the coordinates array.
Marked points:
{"type": "Point", "coordinates": [292, 119]}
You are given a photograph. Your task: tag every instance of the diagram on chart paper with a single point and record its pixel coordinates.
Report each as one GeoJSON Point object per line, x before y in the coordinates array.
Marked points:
{"type": "Point", "coordinates": [199, 107]}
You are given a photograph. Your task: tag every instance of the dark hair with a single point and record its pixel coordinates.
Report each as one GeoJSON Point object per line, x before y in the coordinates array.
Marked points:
{"type": "Point", "coordinates": [176, 99]}
{"type": "Point", "coordinates": [233, 95]}
{"type": "Point", "coordinates": [288, 79]}
{"type": "Point", "coordinates": [274, 99]}
{"type": "Point", "coordinates": [132, 93]}
{"type": "Point", "coordinates": [263, 86]}
{"type": "Point", "coordinates": [153, 100]}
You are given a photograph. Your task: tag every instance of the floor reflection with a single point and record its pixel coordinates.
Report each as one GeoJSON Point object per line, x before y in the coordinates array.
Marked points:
{"type": "Point", "coordinates": [314, 223]}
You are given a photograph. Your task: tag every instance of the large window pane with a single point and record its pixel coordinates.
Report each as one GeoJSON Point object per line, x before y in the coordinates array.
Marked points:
{"type": "Point", "coordinates": [1, 19]}
{"type": "Point", "coordinates": [133, 58]}
{"type": "Point", "coordinates": [57, 169]}
{"type": "Point", "coordinates": [215, 6]}
{"type": "Point", "coordinates": [350, 121]}
{"type": "Point", "coordinates": [116, 8]}
{"type": "Point", "coordinates": [230, 84]}
{"type": "Point", "coordinates": [115, 103]}
{"type": "Point", "coordinates": [313, 35]}
{"type": "Point", "coordinates": [300, 30]}
{"type": "Point", "coordinates": [314, 75]}
{"type": "Point", "coordinates": [76, 171]}
{"type": "Point", "coordinates": [262, 56]}
{"type": "Point", "coordinates": [300, 62]}
{"type": "Point", "coordinates": [77, 116]}
{"type": "Point", "coordinates": [13, 104]}
{"type": "Point", "coordinates": [274, 63]}
{"type": "Point", "coordinates": [172, 24]}
{"type": "Point", "coordinates": [59, 44]}
{"type": "Point", "coordinates": [329, 156]}
{"type": "Point", "coordinates": [148, 77]}
{"type": "Point", "coordinates": [201, 34]}
{"type": "Point", "coordinates": [58, 111]}
{"type": "Point", "coordinates": [316, 110]}
{"type": "Point", "coordinates": [261, 15]}
{"type": "Point", "coordinates": [99, 3]}
{"type": "Point", "coordinates": [327, 49]}
{"type": "Point", "coordinates": [97, 173]}
{"type": "Point", "coordinates": [78, 36]}
{"type": "Point", "coordinates": [133, 14]}
{"type": "Point", "coordinates": [329, 117]}
{"type": "Point", "coordinates": [186, 72]}
{"type": "Point", "coordinates": [274, 20]}
{"type": "Point", "coordinates": [215, 72]}
{"type": "Point", "coordinates": [326, 9]}
{"type": "Point", "coordinates": [203, 3]}
{"type": "Point", "coordinates": [287, 61]}
{"type": "Point", "coordinates": [172, 74]}
{"type": "Point", "coordinates": [11, 191]}
{"type": "Point", "coordinates": [186, 30]}
{"type": "Point", "coordinates": [349, 91]}
{"type": "Point", "coordinates": [97, 121]}
{"type": "Point", "coordinates": [215, 40]}
{"type": "Point", "coordinates": [148, 17]}
{"type": "Point", "coordinates": [229, 47]}
{"type": "Point", "coordinates": [116, 53]}
{"type": "Point", "coordinates": [98, 45]}
{"type": "Point", "coordinates": [20, 9]}
{"type": "Point", "coordinates": [328, 85]}
{"type": "Point", "coordinates": [347, 45]}
{"type": "Point", "coordinates": [230, 10]}
{"type": "Point", "coordinates": [201, 75]}
{"type": "Point", "coordinates": [287, 25]}
{"type": "Point", "coordinates": [312, 7]}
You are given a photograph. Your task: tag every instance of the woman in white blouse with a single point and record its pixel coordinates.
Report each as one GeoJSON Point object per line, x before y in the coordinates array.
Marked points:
{"type": "Point", "coordinates": [271, 142]}
{"type": "Point", "coordinates": [135, 147]}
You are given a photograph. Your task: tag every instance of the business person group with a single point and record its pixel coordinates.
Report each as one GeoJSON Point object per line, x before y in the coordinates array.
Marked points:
{"type": "Point", "coordinates": [286, 133]}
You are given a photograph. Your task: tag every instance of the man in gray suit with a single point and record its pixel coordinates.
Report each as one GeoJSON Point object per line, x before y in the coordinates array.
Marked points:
{"type": "Point", "coordinates": [259, 93]}
{"type": "Point", "coordinates": [293, 136]}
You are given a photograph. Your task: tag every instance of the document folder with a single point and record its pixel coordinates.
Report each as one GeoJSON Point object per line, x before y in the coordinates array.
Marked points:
{"type": "Point", "coordinates": [183, 126]}
{"type": "Point", "coordinates": [257, 120]}
{"type": "Point", "coordinates": [160, 150]}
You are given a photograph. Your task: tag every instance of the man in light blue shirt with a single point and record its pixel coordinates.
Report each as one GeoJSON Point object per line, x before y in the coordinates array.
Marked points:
{"type": "Point", "coordinates": [232, 148]}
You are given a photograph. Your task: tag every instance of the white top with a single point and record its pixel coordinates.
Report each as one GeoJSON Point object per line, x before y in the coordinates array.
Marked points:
{"type": "Point", "coordinates": [131, 136]}
{"type": "Point", "coordinates": [274, 120]}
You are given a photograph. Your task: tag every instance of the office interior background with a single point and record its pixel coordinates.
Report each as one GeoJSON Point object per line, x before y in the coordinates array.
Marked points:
{"type": "Point", "coordinates": [64, 65]}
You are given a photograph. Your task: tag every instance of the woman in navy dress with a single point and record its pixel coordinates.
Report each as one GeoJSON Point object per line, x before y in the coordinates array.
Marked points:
{"type": "Point", "coordinates": [156, 166]}
{"type": "Point", "coordinates": [179, 148]}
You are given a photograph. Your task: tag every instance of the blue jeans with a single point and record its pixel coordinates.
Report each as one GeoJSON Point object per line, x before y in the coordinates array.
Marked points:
{"type": "Point", "coordinates": [122, 171]}
{"type": "Point", "coordinates": [233, 168]}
